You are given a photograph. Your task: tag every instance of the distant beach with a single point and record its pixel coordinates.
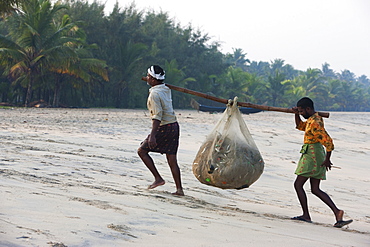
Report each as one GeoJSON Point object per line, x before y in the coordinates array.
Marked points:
{"type": "Point", "coordinates": [72, 177]}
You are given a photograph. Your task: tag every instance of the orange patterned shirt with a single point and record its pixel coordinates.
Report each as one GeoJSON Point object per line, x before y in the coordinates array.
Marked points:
{"type": "Point", "coordinates": [315, 132]}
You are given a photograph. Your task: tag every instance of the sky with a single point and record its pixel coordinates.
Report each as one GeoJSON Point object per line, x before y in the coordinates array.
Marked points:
{"type": "Point", "coordinates": [303, 33]}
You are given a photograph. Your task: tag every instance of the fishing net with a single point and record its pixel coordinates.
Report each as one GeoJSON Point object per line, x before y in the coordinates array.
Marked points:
{"type": "Point", "coordinates": [229, 157]}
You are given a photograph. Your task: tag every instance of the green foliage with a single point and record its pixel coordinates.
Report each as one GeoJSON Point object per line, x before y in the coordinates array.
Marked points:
{"type": "Point", "coordinates": [177, 77]}
{"type": "Point", "coordinates": [8, 6]}
{"type": "Point", "coordinates": [73, 54]}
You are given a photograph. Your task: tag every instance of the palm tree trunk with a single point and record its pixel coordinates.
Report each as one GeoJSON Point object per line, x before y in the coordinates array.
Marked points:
{"type": "Point", "coordinates": [57, 92]}
{"type": "Point", "coordinates": [29, 91]}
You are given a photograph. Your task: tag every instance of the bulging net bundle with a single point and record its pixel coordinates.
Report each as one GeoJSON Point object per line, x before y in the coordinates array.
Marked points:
{"type": "Point", "coordinates": [229, 157]}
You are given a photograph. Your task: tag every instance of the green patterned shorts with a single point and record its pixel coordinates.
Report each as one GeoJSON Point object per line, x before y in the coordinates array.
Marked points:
{"type": "Point", "coordinates": [310, 163]}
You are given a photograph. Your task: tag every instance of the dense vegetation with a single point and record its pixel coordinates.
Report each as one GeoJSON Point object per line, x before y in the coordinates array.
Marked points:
{"type": "Point", "coordinates": [71, 54]}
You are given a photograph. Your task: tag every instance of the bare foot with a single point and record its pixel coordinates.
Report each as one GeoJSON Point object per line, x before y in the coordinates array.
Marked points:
{"type": "Point", "coordinates": [178, 193]}
{"type": "Point", "coordinates": [156, 184]}
{"type": "Point", "coordinates": [339, 215]}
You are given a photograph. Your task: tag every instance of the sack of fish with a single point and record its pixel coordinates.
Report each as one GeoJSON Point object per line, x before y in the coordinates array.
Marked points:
{"type": "Point", "coordinates": [229, 157]}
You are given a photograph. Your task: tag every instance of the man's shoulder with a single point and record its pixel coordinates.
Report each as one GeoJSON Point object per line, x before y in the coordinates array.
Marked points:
{"type": "Point", "coordinates": [316, 119]}
{"type": "Point", "coordinates": [162, 88]}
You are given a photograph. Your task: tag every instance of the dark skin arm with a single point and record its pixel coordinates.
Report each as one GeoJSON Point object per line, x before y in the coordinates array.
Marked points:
{"type": "Point", "coordinates": [152, 141]}
{"type": "Point", "coordinates": [297, 116]}
{"type": "Point", "coordinates": [327, 163]}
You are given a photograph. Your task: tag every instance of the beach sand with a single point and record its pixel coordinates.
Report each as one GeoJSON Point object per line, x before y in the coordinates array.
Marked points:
{"type": "Point", "coordinates": [72, 177]}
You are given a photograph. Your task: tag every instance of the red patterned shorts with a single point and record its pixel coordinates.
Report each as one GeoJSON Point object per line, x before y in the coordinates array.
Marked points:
{"type": "Point", "coordinates": [167, 139]}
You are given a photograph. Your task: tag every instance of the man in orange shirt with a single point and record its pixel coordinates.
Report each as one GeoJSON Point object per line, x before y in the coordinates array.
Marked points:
{"type": "Point", "coordinates": [314, 161]}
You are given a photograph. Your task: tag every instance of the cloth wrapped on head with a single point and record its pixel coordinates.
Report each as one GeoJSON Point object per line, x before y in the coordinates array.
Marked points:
{"type": "Point", "coordinates": [156, 72]}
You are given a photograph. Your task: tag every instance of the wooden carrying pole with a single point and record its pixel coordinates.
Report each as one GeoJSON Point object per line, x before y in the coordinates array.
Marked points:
{"type": "Point", "coordinates": [244, 104]}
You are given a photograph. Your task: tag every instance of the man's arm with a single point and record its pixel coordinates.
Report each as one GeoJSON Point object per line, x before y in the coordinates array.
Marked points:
{"type": "Point", "coordinates": [327, 163]}
{"type": "Point", "coordinates": [297, 116]}
{"type": "Point", "coordinates": [323, 137]}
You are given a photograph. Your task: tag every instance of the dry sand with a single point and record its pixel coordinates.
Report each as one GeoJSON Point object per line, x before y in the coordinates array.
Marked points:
{"type": "Point", "coordinates": [71, 177]}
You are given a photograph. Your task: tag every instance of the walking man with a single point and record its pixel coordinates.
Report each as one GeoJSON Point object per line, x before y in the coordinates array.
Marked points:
{"type": "Point", "coordinates": [314, 161]}
{"type": "Point", "coordinates": [164, 136]}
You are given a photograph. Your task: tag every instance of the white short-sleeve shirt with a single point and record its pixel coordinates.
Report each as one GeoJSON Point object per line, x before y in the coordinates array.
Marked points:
{"type": "Point", "coordinates": [160, 104]}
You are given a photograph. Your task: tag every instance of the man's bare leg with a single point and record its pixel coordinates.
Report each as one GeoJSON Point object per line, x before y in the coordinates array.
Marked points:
{"type": "Point", "coordinates": [148, 161]}
{"type": "Point", "coordinates": [175, 170]}
{"type": "Point", "coordinates": [302, 197]}
{"type": "Point", "coordinates": [315, 188]}
{"type": "Point", "coordinates": [339, 215]}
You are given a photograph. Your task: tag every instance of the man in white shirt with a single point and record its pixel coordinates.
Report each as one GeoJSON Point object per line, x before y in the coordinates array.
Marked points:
{"type": "Point", "coordinates": [164, 137]}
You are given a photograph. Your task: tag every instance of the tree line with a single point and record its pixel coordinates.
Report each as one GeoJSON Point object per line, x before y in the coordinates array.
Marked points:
{"type": "Point", "coordinates": [70, 53]}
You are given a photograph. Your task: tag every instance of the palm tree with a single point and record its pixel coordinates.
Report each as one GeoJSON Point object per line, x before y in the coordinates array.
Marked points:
{"type": "Point", "coordinates": [232, 83]}
{"type": "Point", "coordinates": [237, 59]}
{"type": "Point", "coordinates": [34, 42]}
{"type": "Point", "coordinates": [7, 6]}
{"type": "Point", "coordinates": [327, 72]}
{"type": "Point", "coordinates": [177, 77]}
{"type": "Point", "coordinates": [363, 80]}
{"type": "Point", "coordinates": [276, 87]}
{"type": "Point", "coordinates": [348, 76]}
{"type": "Point", "coordinates": [38, 43]}
{"type": "Point", "coordinates": [310, 83]}
{"type": "Point", "coordinates": [81, 66]}
{"type": "Point", "coordinates": [259, 68]}
{"type": "Point", "coordinates": [124, 64]}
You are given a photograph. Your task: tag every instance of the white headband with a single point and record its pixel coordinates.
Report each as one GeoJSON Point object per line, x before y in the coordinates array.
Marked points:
{"type": "Point", "coordinates": [156, 76]}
